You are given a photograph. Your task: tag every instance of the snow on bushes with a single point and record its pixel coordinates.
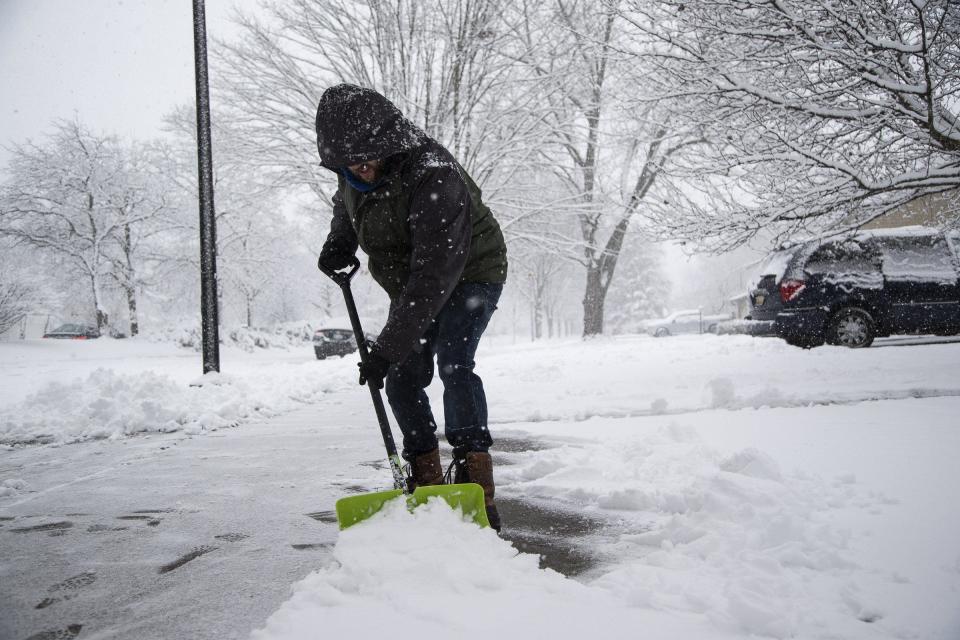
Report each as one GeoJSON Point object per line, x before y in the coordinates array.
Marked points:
{"type": "Point", "coordinates": [282, 336]}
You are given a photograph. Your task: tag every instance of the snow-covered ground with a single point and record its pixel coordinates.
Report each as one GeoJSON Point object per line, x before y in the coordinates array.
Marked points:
{"type": "Point", "coordinates": [711, 487]}
{"type": "Point", "coordinates": [59, 391]}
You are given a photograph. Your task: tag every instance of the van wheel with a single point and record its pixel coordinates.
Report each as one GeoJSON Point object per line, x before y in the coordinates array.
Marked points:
{"type": "Point", "coordinates": [852, 327]}
{"type": "Point", "coordinates": [662, 332]}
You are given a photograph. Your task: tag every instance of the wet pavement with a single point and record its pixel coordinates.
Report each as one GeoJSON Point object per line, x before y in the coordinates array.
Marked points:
{"type": "Point", "coordinates": [561, 539]}
{"type": "Point", "coordinates": [141, 539]}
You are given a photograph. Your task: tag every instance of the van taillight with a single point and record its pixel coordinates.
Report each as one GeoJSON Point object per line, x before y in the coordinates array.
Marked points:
{"type": "Point", "coordinates": [790, 289]}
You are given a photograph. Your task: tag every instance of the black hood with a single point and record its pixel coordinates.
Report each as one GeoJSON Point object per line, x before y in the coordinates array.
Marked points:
{"type": "Point", "coordinates": [355, 125]}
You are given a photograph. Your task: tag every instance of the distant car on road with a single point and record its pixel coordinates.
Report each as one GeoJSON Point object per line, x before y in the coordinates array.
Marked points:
{"type": "Point", "coordinates": [849, 290]}
{"type": "Point", "coordinates": [73, 332]}
{"type": "Point", "coordinates": [689, 321]}
{"type": "Point", "coordinates": [335, 342]}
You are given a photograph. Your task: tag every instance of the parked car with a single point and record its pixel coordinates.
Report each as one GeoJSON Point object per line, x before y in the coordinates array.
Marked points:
{"type": "Point", "coordinates": [74, 332]}
{"type": "Point", "coordinates": [849, 290]}
{"type": "Point", "coordinates": [335, 342]}
{"type": "Point", "coordinates": [689, 321]}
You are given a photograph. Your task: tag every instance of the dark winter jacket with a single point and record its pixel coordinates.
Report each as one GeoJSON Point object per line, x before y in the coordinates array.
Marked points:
{"type": "Point", "coordinates": [424, 227]}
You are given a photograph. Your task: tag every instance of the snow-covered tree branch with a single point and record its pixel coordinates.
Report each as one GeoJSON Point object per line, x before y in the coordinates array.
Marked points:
{"type": "Point", "coordinates": [823, 114]}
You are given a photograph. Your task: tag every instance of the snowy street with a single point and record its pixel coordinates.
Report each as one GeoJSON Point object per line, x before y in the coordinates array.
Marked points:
{"type": "Point", "coordinates": [700, 486]}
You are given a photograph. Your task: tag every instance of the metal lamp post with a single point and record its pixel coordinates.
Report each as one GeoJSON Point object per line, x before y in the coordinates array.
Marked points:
{"type": "Point", "coordinates": [208, 228]}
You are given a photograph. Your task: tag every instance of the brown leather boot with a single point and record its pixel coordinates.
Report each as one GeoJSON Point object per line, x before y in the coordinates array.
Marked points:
{"type": "Point", "coordinates": [426, 469]}
{"type": "Point", "coordinates": [478, 467]}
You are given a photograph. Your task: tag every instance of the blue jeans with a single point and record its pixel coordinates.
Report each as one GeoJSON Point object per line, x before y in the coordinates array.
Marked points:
{"type": "Point", "coordinates": [452, 337]}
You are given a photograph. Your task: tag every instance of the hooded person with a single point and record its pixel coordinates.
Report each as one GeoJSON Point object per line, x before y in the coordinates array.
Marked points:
{"type": "Point", "coordinates": [438, 252]}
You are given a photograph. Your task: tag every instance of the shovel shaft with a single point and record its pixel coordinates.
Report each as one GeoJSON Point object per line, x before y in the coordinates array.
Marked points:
{"type": "Point", "coordinates": [343, 281]}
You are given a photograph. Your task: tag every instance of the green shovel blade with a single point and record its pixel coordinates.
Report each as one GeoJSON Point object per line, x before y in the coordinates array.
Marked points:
{"type": "Point", "coordinates": [467, 498]}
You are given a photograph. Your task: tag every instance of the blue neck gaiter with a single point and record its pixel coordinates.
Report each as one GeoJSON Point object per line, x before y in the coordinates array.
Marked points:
{"type": "Point", "coordinates": [357, 183]}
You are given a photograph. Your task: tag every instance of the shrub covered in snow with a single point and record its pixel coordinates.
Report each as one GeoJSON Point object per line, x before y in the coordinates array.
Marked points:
{"type": "Point", "coordinates": [282, 336]}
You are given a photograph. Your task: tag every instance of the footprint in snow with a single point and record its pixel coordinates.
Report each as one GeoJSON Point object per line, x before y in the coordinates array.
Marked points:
{"type": "Point", "coordinates": [58, 634]}
{"type": "Point", "coordinates": [67, 589]}
{"type": "Point", "coordinates": [55, 528]}
{"type": "Point", "coordinates": [195, 553]}
{"type": "Point", "coordinates": [232, 537]}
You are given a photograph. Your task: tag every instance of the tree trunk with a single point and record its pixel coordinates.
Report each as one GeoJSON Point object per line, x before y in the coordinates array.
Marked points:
{"type": "Point", "coordinates": [593, 300]}
{"type": "Point", "coordinates": [99, 314]}
{"type": "Point", "coordinates": [132, 306]}
{"type": "Point", "coordinates": [537, 318]}
{"type": "Point", "coordinates": [130, 286]}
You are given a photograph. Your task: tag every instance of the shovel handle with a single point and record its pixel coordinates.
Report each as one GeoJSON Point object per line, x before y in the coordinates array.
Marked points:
{"type": "Point", "coordinates": [341, 277]}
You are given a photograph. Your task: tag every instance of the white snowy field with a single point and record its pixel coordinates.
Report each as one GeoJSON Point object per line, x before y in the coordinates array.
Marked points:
{"type": "Point", "coordinates": [731, 487]}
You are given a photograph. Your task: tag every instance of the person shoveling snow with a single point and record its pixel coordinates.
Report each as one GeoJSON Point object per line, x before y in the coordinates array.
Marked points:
{"type": "Point", "coordinates": [438, 252]}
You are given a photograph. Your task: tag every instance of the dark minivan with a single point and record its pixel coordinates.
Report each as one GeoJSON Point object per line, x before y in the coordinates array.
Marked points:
{"type": "Point", "coordinates": [848, 290]}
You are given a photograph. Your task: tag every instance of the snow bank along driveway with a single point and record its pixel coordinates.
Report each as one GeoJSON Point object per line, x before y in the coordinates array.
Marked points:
{"type": "Point", "coordinates": [735, 487]}
{"type": "Point", "coordinates": [67, 391]}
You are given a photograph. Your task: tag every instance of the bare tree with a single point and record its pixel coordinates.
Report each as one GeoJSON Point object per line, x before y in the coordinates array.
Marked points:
{"type": "Point", "coordinates": [253, 236]}
{"type": "Point", "coordinates": [523, 94]}
{"type": "Point", "coordinates": [439, 61]}
{"type": "Point", "coordinates": [641, 290]}
{"type": "Point", "coordinates": [18, 291]}
{"type": "Point", "coordinates": [825, 113]}
{"type": "Point", "coordinates": [75, 197]}
{"type": "Point", "coordinates": [615, 149]}
{"type": "Point", "coordinates": [143, 211]}
{"type": "Point", "coordinates": [539, 275]}
{"type": "Point", "coordinates": [250, 253]}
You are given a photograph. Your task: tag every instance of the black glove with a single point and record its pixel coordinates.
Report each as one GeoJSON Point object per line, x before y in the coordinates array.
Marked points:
{"type": "Point", "coordinates": [334, 258]}
{"type": "Point", "coordinates": [373, 369]}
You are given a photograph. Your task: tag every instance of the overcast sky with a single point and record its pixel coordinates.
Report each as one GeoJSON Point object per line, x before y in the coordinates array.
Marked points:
{"type": "Point", "coordinates": [119, 65]}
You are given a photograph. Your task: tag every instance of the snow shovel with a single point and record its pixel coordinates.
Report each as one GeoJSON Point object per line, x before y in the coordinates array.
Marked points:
{"type": "Point", "coordinates": [467, 497]}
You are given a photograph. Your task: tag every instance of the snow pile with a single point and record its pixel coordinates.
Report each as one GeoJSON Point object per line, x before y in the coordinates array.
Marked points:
{"type": "Point", "coordinates": [727, 537]}
{"type": "Point", "coordinates": [108, 404]}
{"type": "Point", "coordinates": [431, 574]}
{"type": "Point", "coordinates": [699, 545]}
